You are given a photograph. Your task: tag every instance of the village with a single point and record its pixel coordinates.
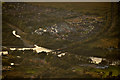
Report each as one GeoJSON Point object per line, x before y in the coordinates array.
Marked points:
{"type": "Point", "coordinates": [68, 24]}
{"type": "Point", "coordinates": [59, 40]}
{"type": "Point", "coordinates": [82, 25]}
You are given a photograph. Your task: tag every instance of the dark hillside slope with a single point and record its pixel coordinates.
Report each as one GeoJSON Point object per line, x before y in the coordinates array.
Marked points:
{"type": "Point", "coordinates": [73, 20]}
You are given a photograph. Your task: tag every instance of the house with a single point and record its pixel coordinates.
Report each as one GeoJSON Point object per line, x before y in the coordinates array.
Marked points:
{"type": "Point", "coordinates": [3, 53]}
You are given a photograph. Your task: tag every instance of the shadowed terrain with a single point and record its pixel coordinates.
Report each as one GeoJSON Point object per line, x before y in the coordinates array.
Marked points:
{"type": "Point", "coordinates": [79, 30]}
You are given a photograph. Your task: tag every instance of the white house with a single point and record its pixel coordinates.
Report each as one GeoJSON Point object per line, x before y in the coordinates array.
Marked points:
{"type": "Point", "coordinates": [3, 52]}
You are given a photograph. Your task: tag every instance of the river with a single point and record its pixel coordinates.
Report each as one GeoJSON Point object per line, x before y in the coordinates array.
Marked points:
{"type": "Point", "coordinates": [36, 47]}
